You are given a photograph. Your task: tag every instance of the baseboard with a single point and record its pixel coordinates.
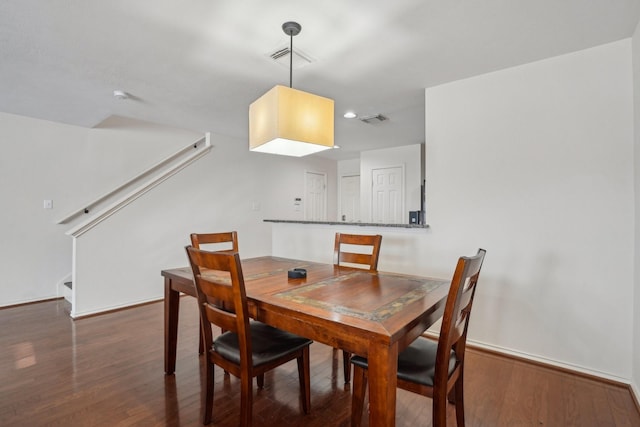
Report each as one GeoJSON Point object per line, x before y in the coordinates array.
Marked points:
{"type": "Point", "coordinates": [86, 314]}
{"type": "Point", "coordinates": [60, 285]}
{"type": "Point", "coordinates": [635, 395]}
{"type": "Point", "coordinates": [540, 361]}
{"type": "Point", "coordinates": [550, 364]}
{"type": "Point", "coordinates": [28, 302]}
{"type": "Point", "coordinates": [607, 379]}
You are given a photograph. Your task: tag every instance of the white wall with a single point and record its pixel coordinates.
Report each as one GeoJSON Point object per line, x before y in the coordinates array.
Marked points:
{"type": "Point", "coordinates": [38, 162]}
{"type": "Point", "coordinates": [278, 180]}
{"type": "Point", "coordinates": [635, 383]}
{"type": "Point", "coordinates": [119, 262]}
{"type": "Point", "coordinates": [348, 167]}
{"type": "Point", "coordinates": [534, 164]}
{"type": "Point", "coordinates": [122, 148]}
{"type": "Point", "coordinates": [407, 156]}
{"type": "Point", "coordinates": [71, 165]}
{"type": "Point", "coordinates": [314, 242]}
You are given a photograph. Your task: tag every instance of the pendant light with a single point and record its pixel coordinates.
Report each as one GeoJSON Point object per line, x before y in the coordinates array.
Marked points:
{"type": "Point", "coordinates": [288, 121]}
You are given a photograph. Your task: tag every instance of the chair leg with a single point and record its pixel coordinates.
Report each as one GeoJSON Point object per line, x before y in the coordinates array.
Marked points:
{"type": "Point", "coordinates": [303, 377]}
{"type": "Point", "coordinates": [207, 394]}
{"type": "Point", "coordinates": [246, 400]}
{"type": "Point", "coordinates": [201, 342]}
{"type": "Point", "coordinates": [439, 409]}
{"type": "Point", "coordinates": [459, 400]}
{"type": "Point", "coordinates": [357, 398]}
{"type": "Point", "coordinates": [347, 366]}
{"type": "Point", "coordinates": [451, 397]}
{"type": "Point", "coordinates": [304, 372]}
{"type": "Point", "coordinates": [261, 381]}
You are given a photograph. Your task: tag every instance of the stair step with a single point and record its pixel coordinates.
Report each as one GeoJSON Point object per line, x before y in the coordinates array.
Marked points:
{"type": "Point", "coordinates": [69, 285]}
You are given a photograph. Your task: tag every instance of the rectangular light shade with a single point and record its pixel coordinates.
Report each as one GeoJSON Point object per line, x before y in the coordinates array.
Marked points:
{"type": "Point", "coordinates": [290, 122]}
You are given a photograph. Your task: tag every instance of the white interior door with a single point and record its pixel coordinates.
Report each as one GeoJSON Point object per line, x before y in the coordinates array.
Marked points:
{"type": "Point", "coordinates": [350, 198]}
{"type": "Point", "coordinates": [387, 196]}
{"type": "Point", "coordinates": [315, 206]}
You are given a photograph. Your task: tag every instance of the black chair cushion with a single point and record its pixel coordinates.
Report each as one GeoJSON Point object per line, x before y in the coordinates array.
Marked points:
{"type": "Point", "coordinates": [416, 363]}
{"type": "Point", "coordinates": [267, 344]}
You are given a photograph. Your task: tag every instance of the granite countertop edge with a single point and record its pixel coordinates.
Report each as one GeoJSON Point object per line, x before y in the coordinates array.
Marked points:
{"type": "Point", "coordinates": [356, 224]}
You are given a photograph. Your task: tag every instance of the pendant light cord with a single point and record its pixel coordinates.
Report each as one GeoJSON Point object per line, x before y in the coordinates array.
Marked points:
{"type": "Point", "coordinates": [291, 61]}
{"type": "Point", "coordinates": [291, 29]}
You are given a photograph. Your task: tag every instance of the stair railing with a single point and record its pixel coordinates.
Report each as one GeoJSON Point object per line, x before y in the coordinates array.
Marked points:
{"type": "Point", "coordinates": [109, 203]}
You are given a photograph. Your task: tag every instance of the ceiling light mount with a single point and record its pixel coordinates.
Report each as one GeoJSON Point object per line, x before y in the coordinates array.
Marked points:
{"type": "Point", "coordinates": [291, 28]}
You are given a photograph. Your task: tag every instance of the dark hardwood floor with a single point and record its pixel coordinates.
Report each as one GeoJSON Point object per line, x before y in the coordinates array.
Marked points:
{"type": "Point", "coordinates": [107, 370]}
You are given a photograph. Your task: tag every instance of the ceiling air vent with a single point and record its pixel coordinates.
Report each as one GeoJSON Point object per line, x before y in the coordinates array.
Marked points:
{"type": "Point", "coordinates": [281, 56]}
{"type": "Point", "coordinates": [376, 118]}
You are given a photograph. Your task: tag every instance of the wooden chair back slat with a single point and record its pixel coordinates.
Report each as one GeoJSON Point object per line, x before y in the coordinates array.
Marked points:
{"type": "Point", "coordinates": [231, 237]}
{"type": "Point", "coordinates": [222, 291]}
{"type": "Point", "coordinates": [353, 258]}
{"type": "Point", "coordinates": [222, 318]}
{"type": "Point", "coordinates": [369, 259]}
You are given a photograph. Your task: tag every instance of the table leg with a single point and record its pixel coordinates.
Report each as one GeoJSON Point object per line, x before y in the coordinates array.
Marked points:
{"type": "Point", "coordinates": [171, 308]}
{"type": "Point", "coordinates": [383, 371]}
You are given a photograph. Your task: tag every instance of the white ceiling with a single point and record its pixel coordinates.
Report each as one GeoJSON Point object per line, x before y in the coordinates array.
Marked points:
{"type": "Point", "coordinates": [198, 64]}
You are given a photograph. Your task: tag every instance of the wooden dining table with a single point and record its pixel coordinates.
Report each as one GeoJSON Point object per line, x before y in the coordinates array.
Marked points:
{"type": "Point", "coordinates": [372, 314]}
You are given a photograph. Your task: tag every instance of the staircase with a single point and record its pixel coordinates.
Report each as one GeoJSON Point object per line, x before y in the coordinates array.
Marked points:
{"type": "Point", "coordinates": [92, 213]}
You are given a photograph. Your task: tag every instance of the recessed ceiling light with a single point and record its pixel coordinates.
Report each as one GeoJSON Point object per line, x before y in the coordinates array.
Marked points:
{"type": "Point", "coordinates": [120, 94]}
{"type": "Point", "coordinates": [350, 115]}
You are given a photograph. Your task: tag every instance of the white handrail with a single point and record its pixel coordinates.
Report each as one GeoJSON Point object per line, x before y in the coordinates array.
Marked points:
{"type": "Point", "coordinates": [140, 190]}
{"type": "Point", "coordinates": [88, 206]}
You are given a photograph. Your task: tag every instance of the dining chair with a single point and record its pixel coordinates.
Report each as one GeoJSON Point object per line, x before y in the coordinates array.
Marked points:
{"type": "Point", "coordinates": [219, 241]}
{"type": "Point", "coordinates": [249, 348]}
{"type": "Point", "coordinates": [433, 369]}
{"type": "Point", "coordinates": [345, 251]}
